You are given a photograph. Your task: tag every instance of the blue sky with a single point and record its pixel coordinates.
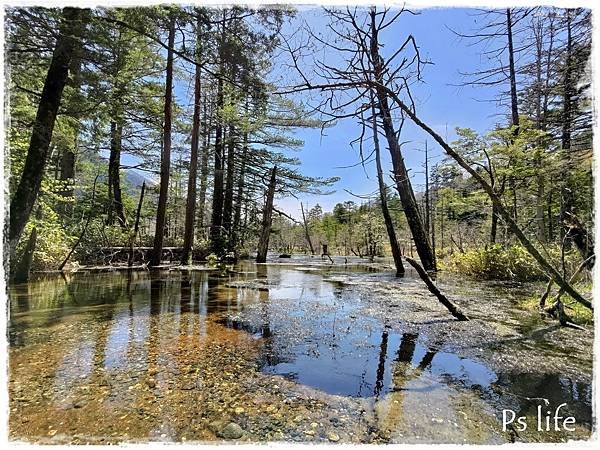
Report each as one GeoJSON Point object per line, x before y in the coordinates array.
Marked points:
{"type": "Point", "coordinates": [439, 103]}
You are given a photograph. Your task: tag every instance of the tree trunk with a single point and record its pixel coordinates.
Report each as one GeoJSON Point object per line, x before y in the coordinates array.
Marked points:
{"type": "Point", "coordinates": [407, 197]}
{"type": "Point", "coordinates": [512, 225]}
{"type": "Point", "coordinates": [539, 206]}
{"type": "Point", "coordinates": [67, 175]}
{"type": "Point", "coordinates": [28, 188]}
{"type": "Point", "coordinates": [115, 197]}
{"type": "Point", "coordinates": [306, 230]}
{"type": "Point", "coordinates": [389, 224]}
{"type": "Point", "coordinates": [137, 225]}
{"type": "Point", "coordinates": [216, 222]}
{"type": "Point", "coordinates": [263, 243]}
{"type": "Point", "coordinates": [494, 227]}
{"type": "Point", "coordinates": [204, 171]}
{"type": "Point", "coordinates": [567, 194]}
{"type": "Point", "coordinates": [69, 154]}
{"type": "Point", "coordinates": [165, 160]}
{"type": "Point", "coordinates": [237, 216]}
{"type": "Point", "coordinates": [23, 269]}
{"type": "Point", "coordinates": [550, 217]}
{"type": "Point", "coordinates": [190, 208]}
{"type": "Point", "coordinates": [512, 73]}
{"type": "Point", "coordinates": [229, 185]}
{"type": "Point", "coordinates": [402, 179]}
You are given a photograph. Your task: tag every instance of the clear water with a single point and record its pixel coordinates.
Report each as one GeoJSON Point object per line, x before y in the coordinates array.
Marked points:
{"type": "Point", "coordinates": [90, 329]}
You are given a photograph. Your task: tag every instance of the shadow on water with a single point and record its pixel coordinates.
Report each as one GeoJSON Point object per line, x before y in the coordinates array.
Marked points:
{"type": "Point", "coordinates": [313, 332]}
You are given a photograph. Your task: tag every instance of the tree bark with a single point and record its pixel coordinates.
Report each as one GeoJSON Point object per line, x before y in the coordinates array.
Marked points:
{"type": "Point", "coordinates": [136, 225]}
{"type": "Point", "coordinates": [27, 190]}
{"type": "Point", "coordinates": [389, 224]}
{"type": "Point", "coordinates": [263, 243]}
{"type": "Point", "coordinates": [190, 208]}
{"type": "Point", "coordinates": [407, 197]}
{"type": "Point", "coordinates": [165, 160]}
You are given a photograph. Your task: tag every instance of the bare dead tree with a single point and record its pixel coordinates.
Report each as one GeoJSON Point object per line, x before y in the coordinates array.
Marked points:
{"type": "Point", "coordinates": [345, 90]}
{"type": "Point", "coordinates": [355, 80]}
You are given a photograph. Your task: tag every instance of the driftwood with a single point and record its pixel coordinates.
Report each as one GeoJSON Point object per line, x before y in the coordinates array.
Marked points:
{"type": "Point", "coordinates": [454, 309]}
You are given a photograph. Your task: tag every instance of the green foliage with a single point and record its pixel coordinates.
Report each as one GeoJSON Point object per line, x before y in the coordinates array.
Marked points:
{"type": "Point", "coordinates": [212, 259]}
{"type": "Point", "coordinates": [506, 263]}
{"type": "Point", "coordinates": [576, 311]}
{"type": "Point", "coordinates": [53, 242]}
{"type": "Point", "coordinates": [496, 262]}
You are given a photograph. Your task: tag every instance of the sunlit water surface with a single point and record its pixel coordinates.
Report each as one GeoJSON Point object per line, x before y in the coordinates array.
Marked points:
{"type": "Point", "coordinates": [286, 354]}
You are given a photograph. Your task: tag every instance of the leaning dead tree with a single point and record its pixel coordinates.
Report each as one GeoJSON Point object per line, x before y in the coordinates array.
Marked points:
{"type": "Point", "coordinates": [504, 214]}
{"type": "Point", "coordinates": [450, 306]}
{"type": "Point", "coordinates": [353, 88]}
{"type": "Point", "coordinates": [346, 87]}
{"type": "Point", "coordinates": [307, 231]}
{"type": "Point", "coordinates": [389, 224]}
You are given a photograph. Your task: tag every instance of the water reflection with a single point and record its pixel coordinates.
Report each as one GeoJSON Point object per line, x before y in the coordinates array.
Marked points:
{"type": "Point", "coordinates": [122, 330]}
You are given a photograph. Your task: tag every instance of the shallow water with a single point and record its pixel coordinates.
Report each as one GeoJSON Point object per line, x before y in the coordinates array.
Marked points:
{"type": "Point", "coordinates": [287, 352]}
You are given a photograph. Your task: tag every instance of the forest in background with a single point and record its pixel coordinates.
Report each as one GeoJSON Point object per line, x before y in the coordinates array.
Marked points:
{"type": "Point", "coordinates": [102, 152]}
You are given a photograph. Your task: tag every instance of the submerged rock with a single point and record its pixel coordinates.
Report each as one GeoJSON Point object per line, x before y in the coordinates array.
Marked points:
{"type": "Point", "coordinates": [231, 431]}
{"type": "Point", "coordinates": [333, 437]}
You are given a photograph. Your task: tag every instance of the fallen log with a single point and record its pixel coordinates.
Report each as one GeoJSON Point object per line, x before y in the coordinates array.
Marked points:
{"type": "Point", "coordinates": [453, 308]}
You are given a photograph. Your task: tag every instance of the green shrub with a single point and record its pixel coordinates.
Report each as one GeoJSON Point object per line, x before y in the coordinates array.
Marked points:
{"type": "Point", "coordinates": [507, 263]}
{"type": "Point", "coordinates": [212, 259]}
